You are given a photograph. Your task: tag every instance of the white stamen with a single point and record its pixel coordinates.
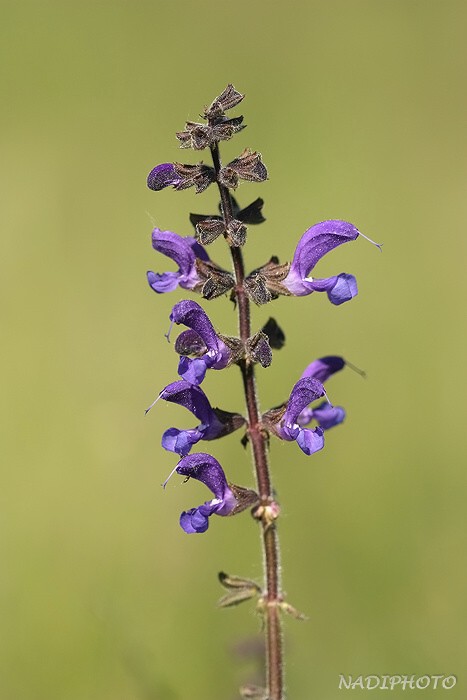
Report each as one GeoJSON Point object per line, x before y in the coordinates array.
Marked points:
{"type": "Point", "coordinates": [171, 474]}
{"type": "Point", "coordinates": [167, 335]}
{"type": "Point", "coordinates": [153, 403]}
{"type": "Point", "coordinates": [327, 398]}
{"type": "Point", "coordinates": [378, 245]}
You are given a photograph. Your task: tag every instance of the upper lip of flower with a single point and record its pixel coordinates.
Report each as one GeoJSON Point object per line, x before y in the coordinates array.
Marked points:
{"type": "Point", "coordinates": [183, 251]}
{"type": "Point", "coordinates": [304, 392]}
{"type": "Point", "coordinates": [324, 367]}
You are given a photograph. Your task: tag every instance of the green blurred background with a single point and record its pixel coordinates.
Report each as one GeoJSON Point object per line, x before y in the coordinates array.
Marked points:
{"type": "Point", "coordinates": [359, 110]}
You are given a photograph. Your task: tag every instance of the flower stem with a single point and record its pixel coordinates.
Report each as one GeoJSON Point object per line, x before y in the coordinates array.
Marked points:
{"type": "Point", "coordinates": [258, 440]}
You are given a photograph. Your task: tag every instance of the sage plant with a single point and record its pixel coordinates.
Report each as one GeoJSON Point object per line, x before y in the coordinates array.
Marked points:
{"type": "Point", "coordinates": [202, 348]}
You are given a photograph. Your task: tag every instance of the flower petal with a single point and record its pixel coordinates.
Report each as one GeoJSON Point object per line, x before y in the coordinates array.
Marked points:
{"type": "Point", "coordinates": [192, 521]}
{"type": "Point", "coordinates": [310, 441]}
{"type": "Point", "coordinates": [165, 282]}
{"type": "Point", "coordinates": [328, 416]}
{"type": "Point", "coordinates": [324, 367]}
{"type": "Point", "coordinates": [339, 289]}
{"type": "Point", "coordinates": [192, 371]}
{"type": "Point", "coordinates": [181, 441]}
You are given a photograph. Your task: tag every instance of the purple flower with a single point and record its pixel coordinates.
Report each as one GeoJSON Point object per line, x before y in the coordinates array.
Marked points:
{"type": "Point", "coordinates": [316, 242]}
{"type": "Point", "coordinates": [214, 422]}
{"type": "Point", "coordinates": [181, 176]}
{"type": "Point", "coordinates": [326, 415]}
{"type": "Point", "coordinates": [217, 354]}
{"type": "Point", "coordinates": [163, 175]}
{"type": "Point", "coordinates": [206, 469]}
{"type": "Point", "coordinates": [183, 251]}
{"type": "Point", "coordinates": [305, 391]}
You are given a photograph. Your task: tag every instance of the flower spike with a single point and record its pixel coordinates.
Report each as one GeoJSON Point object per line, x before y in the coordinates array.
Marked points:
{"type": "Point", "coordinates": [199, 347]}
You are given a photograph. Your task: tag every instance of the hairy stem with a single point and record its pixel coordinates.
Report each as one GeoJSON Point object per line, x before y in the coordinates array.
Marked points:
{"type": "Point", "coordinates": [258, 440]}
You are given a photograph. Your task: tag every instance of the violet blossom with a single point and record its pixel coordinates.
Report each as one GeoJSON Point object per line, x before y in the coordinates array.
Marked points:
{"type": "Point", "coordinates": [305, 391]}
{"type": "Point", "coordinates": [313, 245]}
{"type": "Point", "coordinates": [217, 354]}
{"type": "Point", "coordinates": [183, 251]}
{"type": "Point", "coordinates": [214, 424]}
{"type": "Point", "coordinates": [205, 468]}
{"type": "Point", "coordinates": [326, 415]}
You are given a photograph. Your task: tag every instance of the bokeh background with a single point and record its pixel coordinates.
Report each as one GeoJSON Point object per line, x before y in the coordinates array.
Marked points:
{"type": "Point", "coordinates": [359, 110]}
